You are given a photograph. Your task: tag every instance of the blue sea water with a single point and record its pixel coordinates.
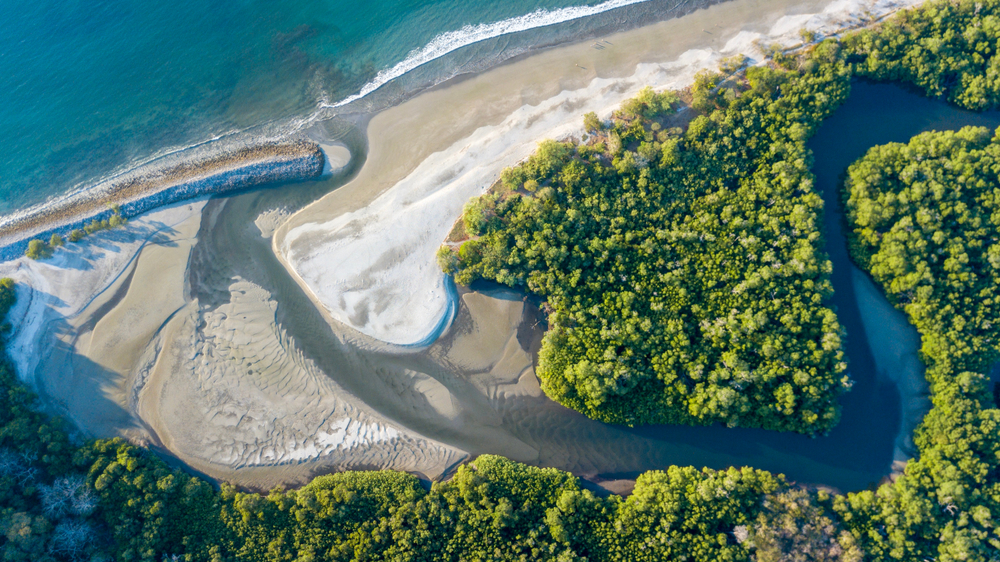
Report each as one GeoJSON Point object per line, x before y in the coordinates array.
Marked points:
{"type": "Point", "coordinates": [90, 87]}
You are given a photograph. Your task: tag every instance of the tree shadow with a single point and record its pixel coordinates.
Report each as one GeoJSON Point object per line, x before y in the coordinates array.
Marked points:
{"type": "Point", "coordinates": [81, 255]}
{"type": "Point", "coordinates": [81, 390]}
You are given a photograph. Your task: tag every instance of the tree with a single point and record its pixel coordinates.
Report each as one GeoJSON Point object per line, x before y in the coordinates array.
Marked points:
{"type": "Point", "coordinates": [794, 527]}
{"type": "Point", "coordinates": [38, 249]}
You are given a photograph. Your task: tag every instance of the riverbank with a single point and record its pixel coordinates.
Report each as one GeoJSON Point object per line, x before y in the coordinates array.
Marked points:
{"type": "Point", "coordinates": [109, 335]}
{"type": "Point", "coordinates": [149, 187]}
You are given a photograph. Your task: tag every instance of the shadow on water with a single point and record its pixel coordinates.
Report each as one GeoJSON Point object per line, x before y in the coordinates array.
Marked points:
{"type": "Point", "coordinates": [856, 454]}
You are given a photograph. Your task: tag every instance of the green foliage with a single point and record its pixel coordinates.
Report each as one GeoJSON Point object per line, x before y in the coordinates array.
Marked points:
{"type": "Point", "coordinates": [733, 64]}
{"type": "Point", "coordinates": [148, 508]}
{"type": "Point", "coordinates": [38, 249]}
{"type": "Point", "coordinates": [795, 527]}
{"type": "Point", "coordinates": [644, 242]}
{"type": "Point", "coordinates": [685, 276]}
{"type": "Point", "coordinates": [948, 49]}
{"type": "Point", "coordinates": [656, 522]}
{"type": "Point", "coordinates": [648, 104]}
{"type": "Point", "coordinates": [925, 218]}
{"type": "Point", "coordinates": [703, 91]}
{"type": "Point", "coordinates": [925, 222]}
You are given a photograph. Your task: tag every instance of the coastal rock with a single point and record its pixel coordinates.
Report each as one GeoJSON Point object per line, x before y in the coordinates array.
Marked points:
{"type": "Point", "coordinates": [142, 190]}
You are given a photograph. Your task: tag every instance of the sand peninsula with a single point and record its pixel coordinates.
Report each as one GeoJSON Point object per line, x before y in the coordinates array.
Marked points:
{"type": "Point", "coordinates": [366, 252]}
{"type": "Point", "coordinates": [148, 187]}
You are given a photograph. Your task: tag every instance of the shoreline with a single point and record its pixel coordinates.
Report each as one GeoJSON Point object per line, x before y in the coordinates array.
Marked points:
{"type": "Point", "coordinates": [140, 191]}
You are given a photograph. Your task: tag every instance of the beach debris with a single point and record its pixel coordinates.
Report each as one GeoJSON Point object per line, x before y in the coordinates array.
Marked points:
{"type": "Point", "coordinates": [583, 67]}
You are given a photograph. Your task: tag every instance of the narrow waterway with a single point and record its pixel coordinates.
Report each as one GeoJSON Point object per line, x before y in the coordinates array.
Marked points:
{"type": "Point", "coordinates": [881, 345]}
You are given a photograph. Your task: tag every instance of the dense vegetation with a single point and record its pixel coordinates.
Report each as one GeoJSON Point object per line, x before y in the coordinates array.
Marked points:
{"type": "Point", "coordinates": [925, 219]}
{"type": "Point", "coordinates": [683, 269]}
{"type": "Point", "coordinates": [924, 225]}
{"type": "Point", "coordinates": [946, 49]}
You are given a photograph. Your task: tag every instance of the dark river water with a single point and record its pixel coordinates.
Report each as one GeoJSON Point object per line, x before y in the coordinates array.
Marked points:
{"type": "Point", "coordinates": [857, 454]}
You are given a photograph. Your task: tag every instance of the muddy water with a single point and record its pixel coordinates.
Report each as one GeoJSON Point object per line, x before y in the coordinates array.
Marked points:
{"type": "Point", "coordinates": [509, 417]}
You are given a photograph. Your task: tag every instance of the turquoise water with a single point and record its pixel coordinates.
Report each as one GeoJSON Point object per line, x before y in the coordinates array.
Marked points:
{"type": "Point", "coordinates": [94, 86]}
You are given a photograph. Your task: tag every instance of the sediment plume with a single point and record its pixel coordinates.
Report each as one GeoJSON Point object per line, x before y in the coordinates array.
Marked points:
{"type": "Point", "coordinates": [144, 189]}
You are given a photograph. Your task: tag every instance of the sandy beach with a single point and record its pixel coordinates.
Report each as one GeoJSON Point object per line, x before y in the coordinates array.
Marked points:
{"type": "Point", "coordinates": [366, 251]}
{"type": "Point", "coordinates": [261, 345]}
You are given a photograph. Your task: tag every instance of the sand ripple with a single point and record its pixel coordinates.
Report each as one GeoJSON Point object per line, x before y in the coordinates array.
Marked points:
{"type": "Point", "coordinates": [232, 389]}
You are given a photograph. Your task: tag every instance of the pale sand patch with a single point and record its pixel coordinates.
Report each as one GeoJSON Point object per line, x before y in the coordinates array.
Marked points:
{"type": "Point", "coordinates": [365, 252]}
{"type": "Point", "coordinates": [54, 319]}
{"type": "Point", "coordinates": [894, 344]}
{"type": "Point", "coordinates": [230, 391]}
{"type": "Point", "coordinates": [337, 157]}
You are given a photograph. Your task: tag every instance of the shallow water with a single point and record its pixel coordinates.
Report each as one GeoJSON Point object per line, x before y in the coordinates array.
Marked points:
{"type": "Point", "coordinates": [858, 453]}
{"type": "Point", "coordinates": [94, 87]}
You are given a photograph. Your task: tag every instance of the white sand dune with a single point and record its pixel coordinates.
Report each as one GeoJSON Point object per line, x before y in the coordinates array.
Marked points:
{"type": "Point", "coordinates": [373, 268]}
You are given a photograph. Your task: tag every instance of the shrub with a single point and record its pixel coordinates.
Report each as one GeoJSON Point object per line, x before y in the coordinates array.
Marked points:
{"type": "Point", "coordinates": [38, 249]}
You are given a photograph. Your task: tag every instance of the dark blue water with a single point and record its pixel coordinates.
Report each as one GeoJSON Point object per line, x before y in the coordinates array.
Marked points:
{"type": "Point", "coordinates": [88, 87]}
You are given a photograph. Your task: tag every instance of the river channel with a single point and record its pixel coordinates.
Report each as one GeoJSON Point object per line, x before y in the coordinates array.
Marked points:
{"type": "Point", "coordinates": [886, 401]}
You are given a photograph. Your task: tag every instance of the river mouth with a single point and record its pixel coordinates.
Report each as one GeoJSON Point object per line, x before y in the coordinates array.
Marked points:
{"type": "Point", "coordinates": [495, 407]}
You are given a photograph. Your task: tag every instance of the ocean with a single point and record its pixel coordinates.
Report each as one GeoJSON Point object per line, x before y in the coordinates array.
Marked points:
{"type": "Point", "coordinates": [91, 88]}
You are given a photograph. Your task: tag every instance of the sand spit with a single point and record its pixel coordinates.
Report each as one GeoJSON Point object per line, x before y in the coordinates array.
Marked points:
{"type": "Point", "coordinates": [144, 189]}
{"type": "Point", "coordinates": [108, 333]}
{"type": "Point", "coordinates": [366, 251]}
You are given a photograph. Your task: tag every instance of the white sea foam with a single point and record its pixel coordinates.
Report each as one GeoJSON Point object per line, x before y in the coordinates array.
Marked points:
{"type": "Point", "coordinates": [453, 40]}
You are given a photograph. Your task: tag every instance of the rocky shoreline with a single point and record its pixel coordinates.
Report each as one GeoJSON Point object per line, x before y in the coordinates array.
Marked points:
{"type": "Point", "coordinates": [141, 191]}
